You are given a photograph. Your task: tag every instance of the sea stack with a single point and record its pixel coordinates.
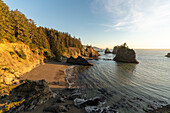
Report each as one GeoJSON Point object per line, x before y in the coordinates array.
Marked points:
{"type": "Point", "coordinates": [79, 61]}
{"type": "Point", "coordinates": [124, 54]}
{"type": "Point", "coordinates": [115, 49]}
{"type": "Point", "coordinates": [107, 51]}
{"type": "Point", "coordinates": [168, 55]}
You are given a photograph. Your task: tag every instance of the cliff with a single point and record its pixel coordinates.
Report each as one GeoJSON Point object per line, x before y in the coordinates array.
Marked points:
{"type": "Point", "coordinates": [125, 54]}
{"type": "Point", "coordinates": [16, 59]}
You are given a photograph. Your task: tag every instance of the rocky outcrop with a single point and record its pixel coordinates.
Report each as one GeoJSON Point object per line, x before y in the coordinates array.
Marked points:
{"type": "Point", "coordinates": [32, 93]}
{"type": "Point", "coordinates": [72, 51]}
{"type": "Point", "coordinates": [164, 109]}
{"type": "Point", "coordinates": [168, 55]}
{"type": "Point", "coordinates": [90, 102]}
{"type": "Point", "coordinates": [126, 55]}
{"type": "Point", "coordinates": [89, 52]}
{"type": "Point", "coordinates": [107, 51]}
{"type": "Point", "coordinates": [115, 49]}
{"type": "Point", "coordinates": [79, 61]}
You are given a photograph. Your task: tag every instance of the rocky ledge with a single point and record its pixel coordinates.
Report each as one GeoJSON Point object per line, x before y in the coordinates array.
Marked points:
{"type": "Point", "coordinates": [79, 61]}
{"type": "Point", "coordinates": [168, 55]}
{"type": "Point", "coordinates": [126, 55]}
{"type": "Point", "coordinates": [26, 97]}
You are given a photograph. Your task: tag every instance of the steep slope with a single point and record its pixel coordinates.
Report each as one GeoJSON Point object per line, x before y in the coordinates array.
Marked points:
{"type": "Point", "coordinates": [16, 59]}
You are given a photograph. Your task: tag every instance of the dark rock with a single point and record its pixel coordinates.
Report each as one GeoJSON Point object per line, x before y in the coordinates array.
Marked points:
{"type": "Point", "coordinates": [55, 109]}
{"type": "Point", "coordinates": [34, 93]}
{"type": "Point", "coordinates": [91, 102]}
{"type": "Point", "coordinates": [168, 55]}
{"type": "Point", "coordinates": [115, 49]}
{"type": "Point", "coordinates": [60, 100]}
{"type": "Point", "coordinates": [96, 109]}
{"type": "Point", "coordinates": [79, 61]}
{"type": "Point", "coordinates": [107, 51]}
{"type": "Point", "coordinates": [164, 109]}
{"type": "Point", "coordinates": [126, 55]}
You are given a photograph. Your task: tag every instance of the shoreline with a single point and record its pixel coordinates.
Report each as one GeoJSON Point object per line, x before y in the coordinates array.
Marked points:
{"type": "Point", "coordinates": [52, 72]}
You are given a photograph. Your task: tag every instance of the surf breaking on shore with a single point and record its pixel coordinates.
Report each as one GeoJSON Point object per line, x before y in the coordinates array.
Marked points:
{"type": "Point", "coordinates": [71, 77]}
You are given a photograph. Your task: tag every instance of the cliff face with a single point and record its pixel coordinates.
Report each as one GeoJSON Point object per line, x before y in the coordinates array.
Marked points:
{"type": "Point", "coordinates": [16, 59]}
{"type": "Point", "coordinates": [126, 55]}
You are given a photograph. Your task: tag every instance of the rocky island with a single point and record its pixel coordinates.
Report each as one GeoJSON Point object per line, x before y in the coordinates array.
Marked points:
{"type": "Point", "coordinates": [124, 54]}
{"type": "Point", "coordinates": [168, 55]}
{"type": "Point", "coordinates": [107, 51]}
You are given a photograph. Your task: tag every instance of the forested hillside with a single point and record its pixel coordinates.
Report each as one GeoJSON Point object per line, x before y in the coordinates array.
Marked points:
{"type": "Point", "coordinates": [15, 27]}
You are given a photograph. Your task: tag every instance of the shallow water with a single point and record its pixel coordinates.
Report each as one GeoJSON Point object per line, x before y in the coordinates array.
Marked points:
{"type": "Point", "coordinates": [134, 87]}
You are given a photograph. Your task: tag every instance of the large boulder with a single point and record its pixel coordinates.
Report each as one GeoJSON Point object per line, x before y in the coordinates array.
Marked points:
{"type": "Point", "coordinates": [79, 61]}
{"type": "Point", "coordinates": [168, 55]}
{"type": "Point", "coordinates": [31, 93]}
{"type": "Point", "coordinates": [107, 51]}
{"type": "Point", "coordinates": [126, 55]}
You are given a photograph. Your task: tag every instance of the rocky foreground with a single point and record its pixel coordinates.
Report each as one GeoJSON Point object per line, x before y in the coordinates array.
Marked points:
{"type": "Point", "coordinates": [31, 94]}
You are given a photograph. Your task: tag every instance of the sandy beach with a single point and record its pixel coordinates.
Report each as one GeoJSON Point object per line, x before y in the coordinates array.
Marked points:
{"type": "Point", "coordinates": [52, 72]}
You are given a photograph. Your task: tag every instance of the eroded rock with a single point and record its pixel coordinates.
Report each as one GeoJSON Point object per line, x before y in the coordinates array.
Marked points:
{"type": "Point", "coordinates": [126, 55]}
{"type": "Point", "coordinates": [32, 92]}
{"type": "Point", "coordinates": [79, 61]}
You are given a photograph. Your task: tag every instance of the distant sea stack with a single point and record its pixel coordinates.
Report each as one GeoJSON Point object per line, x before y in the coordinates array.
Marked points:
{"type": "Point", "coordinates": [168, 55]}
{"type": "Point", "coordinates": [124, 54]}
{"type": "Point", "coordinates": [107, 51]}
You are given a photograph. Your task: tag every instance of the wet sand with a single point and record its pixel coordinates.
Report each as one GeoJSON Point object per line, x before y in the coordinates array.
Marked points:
{"type": "Point", "coordinates": [52, 72]}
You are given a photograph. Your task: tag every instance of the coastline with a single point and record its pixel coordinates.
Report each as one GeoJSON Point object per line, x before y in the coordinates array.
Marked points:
{"type": "Point", "coordinates": [52, 72]}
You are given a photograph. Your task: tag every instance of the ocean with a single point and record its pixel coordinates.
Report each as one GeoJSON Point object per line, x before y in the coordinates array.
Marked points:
{"type": "Point", "coordinates": [130, 88]}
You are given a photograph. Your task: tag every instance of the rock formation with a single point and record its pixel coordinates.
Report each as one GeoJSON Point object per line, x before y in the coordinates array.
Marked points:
{"type": "Point", "coordinates": [72, 51]}
{"type": "Point", "coordinates": [168, 55]}
{"type": "Point", "coordinates": [107, 51]}
{"type": "Point", "coordinates": [89, 52]}
{"type": "Point", "coordinates": [115, 49]}
{"type": "Point", "coordinates": [79, 61]}
{"type": "Point", "coordinates": [126, 55]}
{"type": "Point", "coordinates": [31, 93]}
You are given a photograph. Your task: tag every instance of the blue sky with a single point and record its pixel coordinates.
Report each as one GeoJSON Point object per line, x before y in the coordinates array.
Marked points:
{"type": "Point", "coordinates": [104, 23]}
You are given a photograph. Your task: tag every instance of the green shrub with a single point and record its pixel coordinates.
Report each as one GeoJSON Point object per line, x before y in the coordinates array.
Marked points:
{"type": "Point", "coordinates": [34, 51]}
{"type": "Point", "coordinates": [47, 54]}
{"type": "Point", "coordinates": [11, 53]}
